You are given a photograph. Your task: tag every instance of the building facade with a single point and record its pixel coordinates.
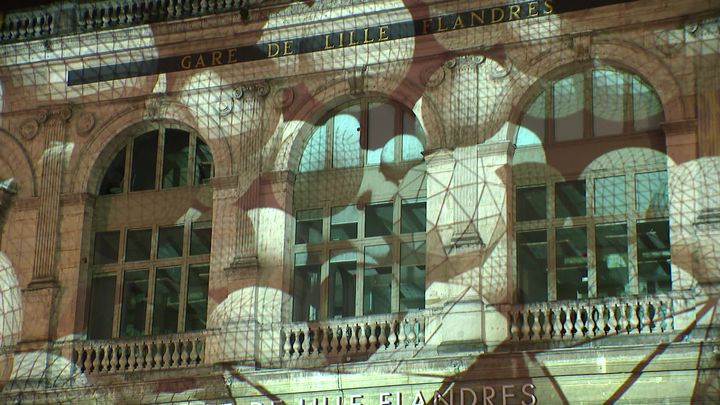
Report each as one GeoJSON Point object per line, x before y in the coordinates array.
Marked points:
{"type": "Point", "coordinates": [360, 202]}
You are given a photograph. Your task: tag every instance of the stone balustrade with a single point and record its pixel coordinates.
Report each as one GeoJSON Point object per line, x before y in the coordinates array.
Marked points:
{"type": "Point", "coordinates": [47, 21]}
{"type": "Point", "coordinates": [140, 354]}
{"type": "Point", "coordinates": [355, 336]}
{"type": "Point", "coordinates": [592, 318]}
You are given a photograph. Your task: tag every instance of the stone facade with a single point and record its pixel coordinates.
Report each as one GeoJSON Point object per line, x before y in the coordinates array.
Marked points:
{"type": "Point", "coordinates": [253, 81]}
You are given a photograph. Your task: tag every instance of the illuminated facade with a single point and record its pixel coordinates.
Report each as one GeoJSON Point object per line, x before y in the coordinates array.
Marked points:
{"type": "Point", "coordinates": [360, 201]}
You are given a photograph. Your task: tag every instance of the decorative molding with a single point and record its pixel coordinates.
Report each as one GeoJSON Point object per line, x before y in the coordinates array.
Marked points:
{"type": "Point", "coordinates": [77, 199]}
{"type": "Point", "coordinates": [582, 46]}
{"type": "Point", "coordinates": [284, 97]}
{"type": "Point", "coordinates": [278, 177]}
{"type": "Point", "coordinates": [680, 127]}
{"type": "Point", "coordinates": [29, 128]}
{"type": "Point", "coordinates": [496, 148]}
{"type": "Point", "coordinates": [433, 77]}
{"type": "Point", "coordinates": [499, 71]}
{"type": "Point", "coordinates": [84, 123]}
{"type": "Point", "coordinates": [223, 183]}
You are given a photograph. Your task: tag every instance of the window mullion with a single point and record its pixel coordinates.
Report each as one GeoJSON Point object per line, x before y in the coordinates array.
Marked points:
{"type": "Point", "coordinates": [128, 166]}
{"type": "Point", "coordinates": [183, 298]}
{"type": "Point", "coordinates": [160, 159]}
{"type": "Point", "coordinates": [588, 104]}
{"type": "Point", "coordinates": [117, 308]}
{"type": "Point", "coordinates": [192, 146]}
{"type": "Point", "coordinates": [150, 301]}
{"type": "Point", "coordinates": [629, 114]}
{"type": "Point", "coordinates": [324, 284]}
{"type": "Point", "coordinates": [395, 280]}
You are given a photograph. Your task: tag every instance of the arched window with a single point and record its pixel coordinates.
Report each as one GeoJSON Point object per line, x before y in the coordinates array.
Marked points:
{"type": "Point", "coordinates": [151, 237]}
{"type": "Point", "coordinates": [591, 218]}
{"type": "Point", "coordinates": [359, 198]}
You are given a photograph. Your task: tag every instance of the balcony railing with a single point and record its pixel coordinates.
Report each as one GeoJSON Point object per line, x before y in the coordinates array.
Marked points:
{"type": "Point", "coordinates": [348, 337]}
{"type": "Point", "coordinates": [140, 354]}
{"type": "Point", "coordinates": [591, 318]}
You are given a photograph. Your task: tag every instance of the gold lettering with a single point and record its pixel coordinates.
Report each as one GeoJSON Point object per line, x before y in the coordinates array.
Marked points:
{"type": "Point", "coordinates": [479, 17]}
{"type": "Point", "coordinates": [497, 17]}
{"type": "Point", "coordinates": [200, 61]}
{"type": "Point", "coordinates": [382, 33]}
{"type": "Point", "coordinates": [352, 37]}
{"type": "Point", "coordinates": [458, 23]}
{"type": "Point", "coordinates": [185, 62]}
{"type": "Point", "coordinates": [273, 50]}
{"type": "Point", "coordinates": [532, 9]}
{"type": "Point", "coordinates": [288, 48]}
{"type": "Point", "coordinates": [514, 12]}
{"type": "Point", "coordinates": [340, 40]}
{"type": "Point", "coordinates": [327, 42]}
{"type": "Point", "coordinates": [426, 25]}
{"type": "Point", "coordinates": [216, 55]}
{"type": "Point", "coordinates": [549, 7]}
{"type": "Point", "coordinates": [231, 55]}
{"type": "Point", "coordinates": [440, 25]}
{"type": "Point", "coordinates": [367, 41]}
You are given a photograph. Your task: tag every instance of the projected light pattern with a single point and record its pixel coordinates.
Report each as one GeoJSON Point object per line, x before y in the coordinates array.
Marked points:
{"type": "Point", "coordinates": [430, 213]}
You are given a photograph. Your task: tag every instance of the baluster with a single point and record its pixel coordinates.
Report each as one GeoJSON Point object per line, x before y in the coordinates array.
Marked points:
{"type": "Point", "coordinates": [653, 319]}
{"type": "Point", "coordinates": [392, 339]}
{"type": "Point", "coordinates": [525, 328]}
{"type": "Point", "coordinates": [354, 338]}
{"type": "Point", "coordinates": [402, 334]}
{"type": "Point", "coordinates": [317, 341]}
{"type": "Point", "coordinates": [147, 349]}
{"type": "Point", "coordinates": [175, 356]}
{"type": "Point", "coordinates": [166, 354]}
{"type": "Point", "coordinates": [122, 361]}
{"type": "Point", "coordinates": [105, 361]}
{"type": "Point", "coordinates": [547, 325]}
{"type": "Point", "coordinates": [157, 359]}
{"type": "Point", "coordinates": [285, 343]}
{"type": "Point", "coordinates": [421, 331]}
{"type": "Point", "coordinates": [614, 318]}
{"type": "Point", "coordinates": [557, 324]}
{"type": "Point", "coordinates": [382, 337]}
{"type": "Point", "coordinates": [87, 362]}
{"type": "Point", "coordinates": [536, 327]}
{"type": "Point", "coordinates": [363, 339]}
{"type": "Point", "coordinates": [635, 325]}
{"type": "Point", "coordinates": [412, 336]}
{"type": "Point", "coordinates": [185, 353]}
{"type": "Point", "coordinates": [194, 354]}
{"type": "Point", "coordinates": [373, 339]}
{"type": "Point", "coordinates": [296, 343]}
{"type": "Point", "coordinates": [593, 320]}
{"type": "Point", "coordinates": [113, 351]}
{"type": "Point", "coordinates": [514, 328]}
{"type": "Point", "coordinates": [200, 351]}
{"type": "Point", "coordinates": [663, 315]}
{"type": "Point", "coordinates": [334, 341]}
{"type": "Point", "coordinates": [578, 324]}
{"type": "Point", "coordinates": [305, 345]}
{"type": "Point", "coordinates": [342, 339]}
{"type": "Point", "coordinates": [324, 343]}
{"type": "Point", "coordinates": [624, 323]}
{"type": "Point", "coordinates": [568, 322]}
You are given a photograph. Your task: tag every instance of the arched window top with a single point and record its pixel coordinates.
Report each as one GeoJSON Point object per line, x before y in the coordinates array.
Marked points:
{"type": "Point", "coordinates": [362, 134]}
{"type": "Point", "coordinates": [160, 158]}
{"type": "Point", "coordinates": [596, 102]}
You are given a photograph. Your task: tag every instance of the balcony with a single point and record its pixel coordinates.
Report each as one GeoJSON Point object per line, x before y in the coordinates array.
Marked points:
{"type": "Point", "coordinates": [168, 352]}
{"type": "Point", "coordinates": [351, 338]}
{"type": "Point", "coordinates": [595, 318]}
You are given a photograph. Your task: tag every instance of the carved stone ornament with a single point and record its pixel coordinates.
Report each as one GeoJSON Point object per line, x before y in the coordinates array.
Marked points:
{"type": "Point", "coordinates": [84, 123]}
{"type": "Point", "coordinates": [468, 62]}
{"type": "Point", "coordinates": [225, 106]}
{"type": "Point", "coordinates": [258, 89]}
{"type": "Point", "coordinates": [283, 98]}
{"type": "Point", "coordinates": [499, 71]}
{"type": "Point", "coordinates": [356, 80]}
{"type": "Point", "coordinates": [156, 107]}
{"type": "Point", "coordinates": [29, 128]}
{"type": "Point", "coordinates": [433, 77]}
{"type": "Point", "coordinates": [581, 45]}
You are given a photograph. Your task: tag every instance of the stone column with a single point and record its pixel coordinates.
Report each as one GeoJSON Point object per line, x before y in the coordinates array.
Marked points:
{"type": "Point", "coordinates": [40, 295]}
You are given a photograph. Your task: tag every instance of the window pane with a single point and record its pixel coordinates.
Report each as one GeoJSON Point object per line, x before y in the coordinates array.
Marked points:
{"type": "Point", "coordinates": [114, 176]}
{"type": "Point", "coordinates": [341, 285]}
{"type": "Point", "coordinates": [102, 306]}
{"type": "Point", "coordinates": [346, 138]}
{"type": "Point", "coordinates": [532, 266]}
{"type": "Point", "coordinates": [306, 287]}
{"type": "Point", "coordinates": [106, 247]}
{"type": "Point", "coordinates": [611, 249]}
{"type": "Point", "coordinates": [571, 263]}
{"type": "Point", "coordinates": [378, 219]}
{"type": "Point", "coordinates": [313, 157]}
{"type": "Point", "coordinates": [654, 257]}
{"type": "Point", "coordinates": [412, 275]}
{"type": "Point", "coordinates": [137, 245]}
{"type": "Point", "coordinates": [175, 158]}
{"type": "Point", "coordinates": [381, 133]}
{"type": "Point", "coordinates": [412, 216]}
{"type": "Point", "coordinates": [532, 126]}
{"type": "Point", "coordinates": [203, 162]}
{"type": "Point", "coordinates": [197, 297]}
{"type": "Point", "coordinates": [170, 242]}
{"type": "Point", "coordinates": [570, 199]}
{"type": "Point", "coordinates": [166, 305]}
{"type": "Point", "coordinates": [610, 195]}
{"type": "Point", "coordinates": [377, 287]}
{"type": "Point", "coordinates": [569, 107]}
{"type": "Point", "coordinates": [134, 303]}
{"type": "Point", "coordinates": [608, 102]}
{"type": "Point", "coordinates": [308, 227]}
{"type": "Point", "coordinates": [343, 223]}
{"type": "Point", "coordinates": [531, 203]}
{"type": "Point", "coordinates": [413, 137]}
{"type": "Point", "coordinates": [651, 192]}
{"type": "Point", "coordinates": [200, 238]}
{"type": "Point", "coordinates": [647, 110]}
{"type": "Point", "coordinates": [144, 158]}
